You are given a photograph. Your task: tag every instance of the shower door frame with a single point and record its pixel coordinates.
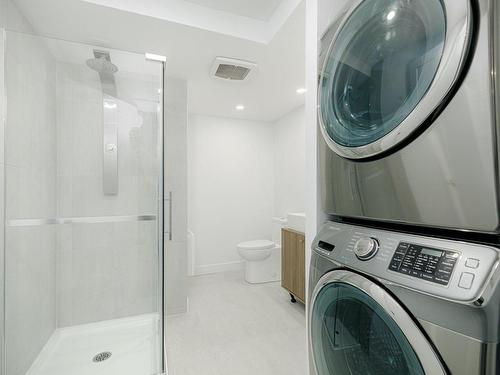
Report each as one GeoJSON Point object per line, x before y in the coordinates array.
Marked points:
{"type": "Point", "coordinates": [3, 122]}
{"type": "Point", "coordinates": [161, 213]}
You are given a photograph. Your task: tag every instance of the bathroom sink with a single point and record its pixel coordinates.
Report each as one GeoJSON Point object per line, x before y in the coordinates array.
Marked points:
{"type": "Point", "coordinates": [296, 221]}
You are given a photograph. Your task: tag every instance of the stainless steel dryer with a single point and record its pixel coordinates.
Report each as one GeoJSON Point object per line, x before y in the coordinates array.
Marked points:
{"type": "Point", "coordinates": [408, 110]}
{"type": "Point", "coordinates": [395, 304]}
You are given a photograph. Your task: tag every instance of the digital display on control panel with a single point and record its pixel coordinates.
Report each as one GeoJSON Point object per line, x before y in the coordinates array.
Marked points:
{"type": "Point", "coordinates": [434, 253]}
{"type": "Point", "coordinates": [425, 263]}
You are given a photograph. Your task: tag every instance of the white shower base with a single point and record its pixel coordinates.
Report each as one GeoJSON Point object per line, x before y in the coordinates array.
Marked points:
{"type": "Point", "coordinates": [134, 343]}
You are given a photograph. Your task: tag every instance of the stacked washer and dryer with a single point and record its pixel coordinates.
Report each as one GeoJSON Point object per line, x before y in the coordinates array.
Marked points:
{"type": "Point", "coordinates": [404, 278]}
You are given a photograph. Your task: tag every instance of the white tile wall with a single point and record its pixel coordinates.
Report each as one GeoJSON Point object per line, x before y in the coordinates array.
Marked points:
{"type": "Point", "coordinates": [30, 191]}
{"type": "Point", "coordinates": [105, 271]}
{"type": "Point", "coordinates": [80, 150]}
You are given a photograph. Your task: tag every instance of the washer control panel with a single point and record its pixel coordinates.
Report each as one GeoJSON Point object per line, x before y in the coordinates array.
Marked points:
{"type": "Point", "coordinates": [454, 270]}
{"type": "Point", "coordinates": [424, 262]}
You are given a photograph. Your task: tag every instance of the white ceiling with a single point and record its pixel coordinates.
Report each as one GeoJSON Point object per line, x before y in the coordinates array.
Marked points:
{"type": "Point", "coordinates": [230, 17]}
{"type": "Point", "coordinates": [190, 52]}
{"type": "Point", "coordinates": [258, 9]}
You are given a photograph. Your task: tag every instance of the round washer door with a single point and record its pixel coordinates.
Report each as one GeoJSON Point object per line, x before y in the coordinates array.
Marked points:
{"type": "Point", "coordinates": [357, 328]}
{"type": "Point", "coordinates": [388, 68]}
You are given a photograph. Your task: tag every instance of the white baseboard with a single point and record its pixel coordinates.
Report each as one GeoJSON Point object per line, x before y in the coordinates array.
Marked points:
{"type": "Point", "coordinates": [218, 267]}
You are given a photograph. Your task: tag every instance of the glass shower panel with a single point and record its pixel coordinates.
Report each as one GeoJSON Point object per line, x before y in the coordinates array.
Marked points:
{"type": "Point", "coordinates": [83, 185]}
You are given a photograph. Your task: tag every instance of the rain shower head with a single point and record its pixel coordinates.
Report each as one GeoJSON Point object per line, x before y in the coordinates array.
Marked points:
{"type": "Point", "coordinates": [102, 65]}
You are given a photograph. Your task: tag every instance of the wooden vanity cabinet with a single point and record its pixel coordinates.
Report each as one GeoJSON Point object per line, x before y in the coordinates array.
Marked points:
{"type": "Point", "coordinates": [293, 264]}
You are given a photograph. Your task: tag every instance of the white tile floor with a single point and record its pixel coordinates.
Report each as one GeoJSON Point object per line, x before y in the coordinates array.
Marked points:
{"type": "Point", "coordinates": [234, 328]}
{"type": "Point", "coordinates": [132, 341]}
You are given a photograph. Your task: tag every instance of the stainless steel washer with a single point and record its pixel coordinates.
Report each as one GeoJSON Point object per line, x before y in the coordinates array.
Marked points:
{"type": "Point", "coordinates": [408, 109]}
{"type": "Point", "coordinates": [395, 304]}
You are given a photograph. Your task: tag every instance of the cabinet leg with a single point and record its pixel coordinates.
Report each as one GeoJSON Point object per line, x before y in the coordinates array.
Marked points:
{"type": "Point", "coordinates": [292, 298]}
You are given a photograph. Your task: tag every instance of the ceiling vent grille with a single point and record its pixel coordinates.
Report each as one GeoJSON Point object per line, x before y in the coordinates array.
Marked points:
{"type": "Point", "coordinates": [233, 69]}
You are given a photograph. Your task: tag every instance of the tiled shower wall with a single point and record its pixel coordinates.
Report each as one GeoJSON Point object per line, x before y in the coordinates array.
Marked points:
{"type": "Point", "coordinates": [10, 18]}
{"type": "Point", "coordinates": [105, 270]}
{"type": "Point", "coordinates": [30, 170]}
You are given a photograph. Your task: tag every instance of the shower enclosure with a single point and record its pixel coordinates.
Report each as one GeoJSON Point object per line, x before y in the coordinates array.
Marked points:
{"type": "Point", "coordinates": [82, 233]}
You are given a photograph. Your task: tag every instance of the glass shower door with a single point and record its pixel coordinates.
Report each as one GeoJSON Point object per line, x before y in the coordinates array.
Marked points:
{"type": "Point", "coordinates": [83, 207]}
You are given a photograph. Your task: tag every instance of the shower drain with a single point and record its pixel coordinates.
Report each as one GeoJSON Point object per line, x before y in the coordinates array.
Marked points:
{"type": "Point", "coordinates": [101, 357]}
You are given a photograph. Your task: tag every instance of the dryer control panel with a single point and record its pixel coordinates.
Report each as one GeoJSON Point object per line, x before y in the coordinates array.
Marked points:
{"type": "Point", "coordinates": [454, 270]}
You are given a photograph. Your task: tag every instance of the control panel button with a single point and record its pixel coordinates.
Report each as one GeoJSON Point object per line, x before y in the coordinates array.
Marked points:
{"type": "Point", "coordinates": [366, 248]}
{"type": "Point", "coordinates": [394, 266]}
{"type": "Point", "coordinates": [466, 279]}
{"type": "Point", "coordinates": [472, 263]}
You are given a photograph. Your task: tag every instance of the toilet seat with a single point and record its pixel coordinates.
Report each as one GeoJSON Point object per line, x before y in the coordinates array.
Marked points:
{"type": "Point", "coordinates": [256, 245]}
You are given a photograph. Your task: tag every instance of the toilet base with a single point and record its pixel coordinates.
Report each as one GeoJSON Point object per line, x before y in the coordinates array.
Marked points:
{"type": "Point", "coordinates": [265, 271]}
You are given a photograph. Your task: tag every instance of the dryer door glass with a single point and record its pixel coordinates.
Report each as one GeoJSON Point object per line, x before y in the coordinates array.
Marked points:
{"type": "Point", "coordinates": [379, 67]}
{"type": "Point", "coordinates": [352, 334]}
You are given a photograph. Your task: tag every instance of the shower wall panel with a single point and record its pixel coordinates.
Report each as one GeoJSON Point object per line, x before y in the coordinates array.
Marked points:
{"type": "Point", "coordinates": [105, 270]}
{"type": "Point", "coordinates": [30, 171]}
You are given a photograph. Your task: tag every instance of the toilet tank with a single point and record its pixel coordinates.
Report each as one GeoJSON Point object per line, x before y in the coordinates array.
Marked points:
{"type": "Point", "coordinates": [278, 223]}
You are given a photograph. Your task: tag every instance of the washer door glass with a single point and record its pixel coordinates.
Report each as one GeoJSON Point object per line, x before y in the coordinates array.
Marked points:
{"type": "Point", "coordinates": [380, 65]}
{"type": "Point", "coordinates": [351, 334]}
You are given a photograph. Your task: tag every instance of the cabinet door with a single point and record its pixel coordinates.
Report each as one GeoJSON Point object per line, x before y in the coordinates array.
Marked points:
{"type": "Point", "coordinates": [300, 269]}
{"type": "Point", "coordinates": [287, 263]}
{"type": "Point", "coordinates": [293, 263]}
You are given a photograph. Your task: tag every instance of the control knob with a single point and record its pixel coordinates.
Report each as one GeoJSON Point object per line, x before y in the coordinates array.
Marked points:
{"type": "Point", "coordinates": [366, 248]}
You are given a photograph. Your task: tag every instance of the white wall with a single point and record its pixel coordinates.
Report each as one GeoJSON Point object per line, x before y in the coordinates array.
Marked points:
{"type": "Point", "coordinates": [230, 187]}
{"type": "Point", "coordinates": [289, 163]}
{"type": "Point", "coordinates": [240, 174]}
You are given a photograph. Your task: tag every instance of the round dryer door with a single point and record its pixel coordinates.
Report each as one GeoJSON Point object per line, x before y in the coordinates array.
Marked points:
{"type": "Point", "coordinates": [391, 65]}
{"type": "Point", "coordinates": [356, 327]}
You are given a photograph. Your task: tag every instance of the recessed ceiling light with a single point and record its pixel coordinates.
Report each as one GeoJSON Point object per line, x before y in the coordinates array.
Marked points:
{"type": "Point", "coordinates": [301, 90]}
{"type": "Point", "coordinates": [391, 15]}
{"type": "Point", "coordinates": [240, 107]}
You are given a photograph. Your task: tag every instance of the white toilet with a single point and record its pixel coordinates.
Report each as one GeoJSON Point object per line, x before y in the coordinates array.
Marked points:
{"type": "Point", "coordinates": [263, 257]}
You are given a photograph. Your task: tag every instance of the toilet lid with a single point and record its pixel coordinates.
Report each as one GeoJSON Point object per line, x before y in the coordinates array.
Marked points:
{"type": "Point", "coordinates": [256, 245]}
